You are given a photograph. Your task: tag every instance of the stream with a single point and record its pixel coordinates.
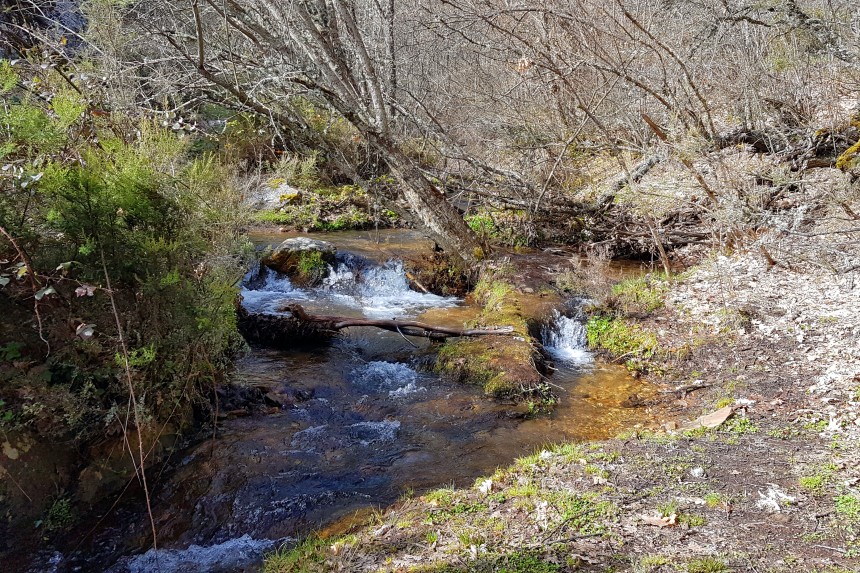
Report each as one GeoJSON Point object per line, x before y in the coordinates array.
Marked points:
{"type": "Point", "coordinates": [362, 421]}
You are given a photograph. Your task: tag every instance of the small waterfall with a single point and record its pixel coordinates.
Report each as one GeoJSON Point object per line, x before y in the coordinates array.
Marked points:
{"type": "Point", "coordinates": [565, 339]}
{"type": "Point", "coordinates": [227, 556]}
{"type": "Point", "coordinates": [264, 290]}
{"type": "Point", "coordinates": [353, 283]}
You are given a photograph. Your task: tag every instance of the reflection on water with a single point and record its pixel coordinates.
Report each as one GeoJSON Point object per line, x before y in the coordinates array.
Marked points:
{"type": "Point", "coordinates": [366, 427]}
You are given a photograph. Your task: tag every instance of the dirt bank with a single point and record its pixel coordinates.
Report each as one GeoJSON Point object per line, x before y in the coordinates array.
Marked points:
{"type": "Point", "coordinates": [774, 487]}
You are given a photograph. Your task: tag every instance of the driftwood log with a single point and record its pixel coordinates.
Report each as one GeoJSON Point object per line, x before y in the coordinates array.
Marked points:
{"type": "Point", "coordinates": [301, 328]}
{"type": "Point", "coordinates": [404, 327]}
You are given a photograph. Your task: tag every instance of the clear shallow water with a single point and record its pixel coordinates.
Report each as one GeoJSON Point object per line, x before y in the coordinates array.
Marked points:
{"type": "Point", "coordinates": [370, 423]}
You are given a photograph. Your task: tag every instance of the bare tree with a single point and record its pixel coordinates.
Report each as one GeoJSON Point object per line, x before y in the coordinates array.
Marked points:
{"type": "Point", "coordinates": [338, 53]}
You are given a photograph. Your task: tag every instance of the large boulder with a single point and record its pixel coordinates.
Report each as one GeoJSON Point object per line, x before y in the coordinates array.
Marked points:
{"type": "Point", "coordinates": [306, 261]}
{"type": "Point", "coordinates": [270, 197]}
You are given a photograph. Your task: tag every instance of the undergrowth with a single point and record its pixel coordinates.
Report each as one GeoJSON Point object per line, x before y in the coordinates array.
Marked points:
{"type": "Point", "coordinates": [622, 339]}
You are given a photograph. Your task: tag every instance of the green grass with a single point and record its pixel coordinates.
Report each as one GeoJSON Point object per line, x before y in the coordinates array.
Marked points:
{"type": "Point", "coordinates": [311, 264]}
{"type": "Point", "coordinates": [641, 294]}
{"type": "Point", "coordinates": [668, 508]}
{"type": "Point", "coordinates": [518, 562]}
{"type": "Point", "coordinates": [692, 520]}
{"type": "Point", "coordinates": [306, 557]}
{"type": "Point", "coordinates": [739, 426]}
{"type": "Point", "coordinates": [59, 516]}
{"type": "Point", "coordinates": [814, 484]}
{"type": "Point", "coordinates": [713, 499]}
{"type": "Point", "coordinates": [492, 293]}
{"type": "Point", "coordinates": [583, 513]}
{"type": "Point", "coordinates": [848, 507]}
{"type": "Point", "coordinates": [649, 563]}
{"type": "Point", "coordinates": [620, 337]}
{"type": "Point", "coordinates": [706, 565]}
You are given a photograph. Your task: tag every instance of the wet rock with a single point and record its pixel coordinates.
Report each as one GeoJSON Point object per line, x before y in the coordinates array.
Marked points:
{"type": "Point", "coordinates": [287, 397]}
{"type": "Point", "coordinates": [279, 331]}
{"type": "Point", "coordinates": [306, 261]}
{"type": "Point", "coordinates": [235, 397]}
{"type": "Point", "coordinates": [633, 401]}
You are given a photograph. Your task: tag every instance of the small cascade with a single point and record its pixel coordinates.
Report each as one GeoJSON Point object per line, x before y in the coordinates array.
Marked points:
{"type": "Point", "coordinates": [565, 339]}
{"type": "Point", "coordinates": [264, 290]}
{"type": "Point", "coordinates": [354, 283]}
{"type": "Point", "coordinates": [227, 556]}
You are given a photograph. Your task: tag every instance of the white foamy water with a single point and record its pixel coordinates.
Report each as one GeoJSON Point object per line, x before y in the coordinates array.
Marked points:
{"type": "Point", "coordinates": [370, 432]}
{"type": "Point", "coordinates": [223, 557]}
{"type": "Point", "coordinates": [406, 391]}
{"type": "Point", "coordinates": [381, 291]}
{"type": "Point", "coordinates": [275, 291]}
{"type": "Point", "coordinates": [306, 439]}
{"type": "Point", "coordinates": [378, 291]}
{"type": "Point", "coordinates": [398, 379]}
{"type": "Point", "coordinates": [565, 340]}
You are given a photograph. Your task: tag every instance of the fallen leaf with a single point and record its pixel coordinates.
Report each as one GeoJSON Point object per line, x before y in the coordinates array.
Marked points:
{"type": "Point", "coordinates": [45, 292]}
{"type": "Point", "coordinates": [712, 420]}
{"type": "Point", "coordinates": [661, 521]}
{"type": "Point", "coordinates": [85, 290]}
{"type": "Point", "coordinates": [9, 451]}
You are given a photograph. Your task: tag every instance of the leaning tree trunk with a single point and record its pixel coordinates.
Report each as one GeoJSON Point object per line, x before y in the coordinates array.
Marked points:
{"type": "Point", "coordinates": [429, 206]}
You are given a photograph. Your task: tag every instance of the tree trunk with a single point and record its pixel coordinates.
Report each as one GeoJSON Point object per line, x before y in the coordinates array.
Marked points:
{"type": "Point", "coordinates": [442, 221]}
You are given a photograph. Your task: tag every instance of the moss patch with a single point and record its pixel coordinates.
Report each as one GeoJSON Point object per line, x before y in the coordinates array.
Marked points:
{"type": "Point", "coordinates": [343, 208]}
{"type": "Point", "coordinates": [505, 366]}
{"type": "Point", "coordinates": [311, 267]}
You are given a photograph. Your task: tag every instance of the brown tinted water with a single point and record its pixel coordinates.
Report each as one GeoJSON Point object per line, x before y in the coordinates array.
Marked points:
{"type": "Point", "coordinates": [363, 422]}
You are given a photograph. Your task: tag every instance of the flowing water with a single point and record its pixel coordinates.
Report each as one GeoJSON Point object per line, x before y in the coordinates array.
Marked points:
{"type": "Point", "coordinates": [362, 422]}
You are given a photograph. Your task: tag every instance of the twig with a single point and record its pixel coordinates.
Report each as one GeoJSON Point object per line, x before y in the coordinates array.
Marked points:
{"type": "Point", "coordinates": [686, 389]}
{"type": "Point", "coordinates": [412, 344]}
{"type": "Point", "coordinates": [836, 549]}
{"type": "Point", "coordinates": [132, 398]}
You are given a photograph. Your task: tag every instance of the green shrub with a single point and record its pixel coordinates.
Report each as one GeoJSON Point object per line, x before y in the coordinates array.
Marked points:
{"type": "Point", "coordinates": [142, 216]}
{"type": "Point", "coordinates": [641, 294]}
{"type": "Point", "coordinates": [706, 565]}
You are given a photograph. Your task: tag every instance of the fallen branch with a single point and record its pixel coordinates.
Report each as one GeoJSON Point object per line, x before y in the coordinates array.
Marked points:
{"type": "Point", "coordinates": [403, 327]}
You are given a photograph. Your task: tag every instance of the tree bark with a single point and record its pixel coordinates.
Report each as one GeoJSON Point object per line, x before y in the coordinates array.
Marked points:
{"type": "Point", "coordinates": [405, 327]}
{"type": "Point", "coordinates": [442, 221]}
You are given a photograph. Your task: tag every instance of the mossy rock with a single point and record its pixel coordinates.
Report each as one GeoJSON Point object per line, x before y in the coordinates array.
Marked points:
{"type": "Point", "coordinates": [504, 366]}
{"type": "Point", "coordinates": [850, 159]}
{"type": "Point", "coordinates": [306, 261]}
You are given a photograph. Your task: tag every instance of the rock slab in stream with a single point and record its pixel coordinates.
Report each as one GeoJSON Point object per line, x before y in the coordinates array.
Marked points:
{"type": "Point", "coordinates": [306, 261]}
